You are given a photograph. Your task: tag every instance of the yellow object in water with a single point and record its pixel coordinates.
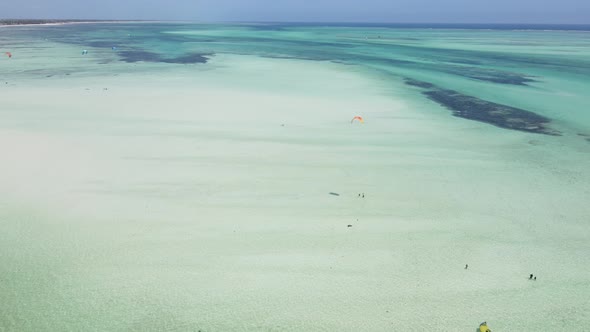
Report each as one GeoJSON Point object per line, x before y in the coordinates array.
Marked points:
{"type": "Point", "coordinates": [483, 327]}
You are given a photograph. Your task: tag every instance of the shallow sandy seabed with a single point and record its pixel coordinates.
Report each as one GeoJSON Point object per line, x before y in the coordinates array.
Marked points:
{"type": "Point", "coordinates": [186, 198]}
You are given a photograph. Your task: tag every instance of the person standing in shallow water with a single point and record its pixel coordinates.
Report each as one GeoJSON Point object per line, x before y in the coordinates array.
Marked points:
{"type": "Point", "coordinates": [466, 266]}
{"type": "Point", "coordinates": [531, 276]}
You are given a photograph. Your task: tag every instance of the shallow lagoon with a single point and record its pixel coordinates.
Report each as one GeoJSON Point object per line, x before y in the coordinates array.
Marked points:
{"type": "Point", "coordinates": [144, 188]}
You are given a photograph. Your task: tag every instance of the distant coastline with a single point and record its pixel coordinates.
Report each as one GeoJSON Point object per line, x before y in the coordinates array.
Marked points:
{"type": "Point", "coordinates": [25, 22]}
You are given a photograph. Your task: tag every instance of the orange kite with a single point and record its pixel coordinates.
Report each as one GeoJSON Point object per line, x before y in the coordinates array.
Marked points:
{"type": "Point", "coordinates": [359, 118]}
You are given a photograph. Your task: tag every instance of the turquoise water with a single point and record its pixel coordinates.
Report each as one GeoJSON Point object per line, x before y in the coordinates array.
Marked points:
{"type": "Point", "coordinates": [544, 72]}
{"type": "Point", "coordinates": [181, 181]}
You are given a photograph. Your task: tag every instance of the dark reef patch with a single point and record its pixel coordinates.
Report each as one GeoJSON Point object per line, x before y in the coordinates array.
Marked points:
{"type": "Point", "coordinates": [420, 84]}
{"type": "Point", "coordinates": [145, 56]}
{"type": "Point", "coordinates": [499, 115]}
{"type": "Point", "coordinates": [472, 108]}
{"type": "Point", "coordinates": [187, 59]}
{"type": "Point", "coordinates": [102, 43]}
{"type": "Point", "coordinates": [137, 56]}
{"type": "Point", "coordinates": [489, 75]}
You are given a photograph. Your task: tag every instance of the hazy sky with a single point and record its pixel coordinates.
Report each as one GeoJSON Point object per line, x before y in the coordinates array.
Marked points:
{"type": "Point", "coordinates": [443, 11]}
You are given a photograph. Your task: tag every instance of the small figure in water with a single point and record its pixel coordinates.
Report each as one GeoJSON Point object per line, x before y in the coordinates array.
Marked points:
{"type": "Point", "coordinates": [466, 266]}
{"type": "Point", "coordinates": [363, 195]}
{"type": "Point", "coordinates": [359, 195]}
{"type": "Point", "coordinates": [531, 276]}
{"type": "Point", "coordinates": [535, 278]}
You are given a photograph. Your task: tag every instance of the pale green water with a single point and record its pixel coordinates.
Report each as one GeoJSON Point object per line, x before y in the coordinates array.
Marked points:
{"type": "Point", "coordinates": [194, 196]}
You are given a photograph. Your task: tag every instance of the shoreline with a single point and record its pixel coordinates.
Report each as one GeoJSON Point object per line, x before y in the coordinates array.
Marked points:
{"type": "Point", "coordinates": [70, 23]}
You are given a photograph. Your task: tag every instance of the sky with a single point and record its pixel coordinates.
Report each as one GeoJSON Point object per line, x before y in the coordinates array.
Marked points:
{"type": "Point", "coordinates": [378, 11]}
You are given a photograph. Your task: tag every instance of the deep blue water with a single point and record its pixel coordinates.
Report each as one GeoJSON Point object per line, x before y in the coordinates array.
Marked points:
{"type": "Point", "coordinates": [466, 26]}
